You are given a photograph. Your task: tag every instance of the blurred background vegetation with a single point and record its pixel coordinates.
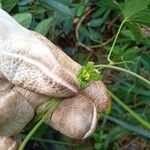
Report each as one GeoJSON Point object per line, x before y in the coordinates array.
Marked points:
{"type": "Point", "coordinates": [85, 30]}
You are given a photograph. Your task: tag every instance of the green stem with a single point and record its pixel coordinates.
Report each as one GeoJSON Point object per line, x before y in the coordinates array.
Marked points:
{"type": "Point", "coordinates": [53, 103]}
{"type": "Point", "coordinates": [53, 141]}
{"type": "Point", "coordinates": [103, 44]}
{"type": "Point", "coordinates": [135, 115]}
{"type": "Point", "coordinates": [114, 42]}
{"type": "Point", "coordinates": [124, 70]}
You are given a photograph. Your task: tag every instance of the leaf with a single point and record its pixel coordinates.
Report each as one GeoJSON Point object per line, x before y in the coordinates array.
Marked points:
{"type": "Point", "coordinates": [131, 51]}
{"type": "Point", "coordinates": [99, 12]}
{"type": "Point", "coordinates": [94, 35]}
{"type": "Point", "coordinates": [146, 62]}
{"type": "Point", "coordinates": [135, 29]}
{"type": "Point", "coordinates": [38, 10]}
{"type": "Point", "coordinates": [80, 9]}
{"type": "Point", "coordinates": [142, 17]}
{"type": "Point", "coordinates": [60, 7]}
{"type": "Point", "coordinates": [24, 19]}
{"type": "Point", "coordinates": [44, 26]}
{"type": "Point", "coordinates": [24, 2]}
{"type": "Point", "coordinates": [130, 127]}
{"type": "Point", "coordinates": [68, 24]}
{"type": "Point", "coordinates": [132, 7]}
{"type": "Point", "coordinates": [115, 134]}
{"type": "Point", "coordinates": [0, 4]}
{"type": "Point", "coordinates": [8, 5]}
{"type": "Point", "coordinates": [111, 4]}
{"type": "Point", "coordinates": [84, 33]}
{"type": "Point", "coordinates": [96, 22]}
{"type": "Point", "coordinates": [128, 33]}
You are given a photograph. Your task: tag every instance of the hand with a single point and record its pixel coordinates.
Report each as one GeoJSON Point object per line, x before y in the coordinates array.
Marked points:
{"type": "Point", "coordinates": [32, 70]}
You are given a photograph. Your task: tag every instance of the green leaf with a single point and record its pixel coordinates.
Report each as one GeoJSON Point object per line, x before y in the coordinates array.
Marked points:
{"type": "Point", "coordinates": [24, 19]}
{"type": "Point", "coordinates": [132, 7]}
{"type": "Point", "coordinates": [146, 62]}
{"type": "Point", "coordinates": [111, 4]}
{"type": "Point", "coordinates": [68, 24]}
{"type": "Point", "coordinates": [60, 7]}
{"type": "Point", "coordinates": [96, 22]}
{"type": "Point", "coordinates": [44, 26]}
{"type": "Point", "coordinates": [97, 13]}
{"type": "Point", "coordinates": [142, 17]}
{"type": "Point", "coordinates": [130, 127]}
{"type": "Point", "coordinates": [115, 134]}
{"type": "Point", "coordinates": [94, 35]}
{"type": "Point", "coordinates": [128, 33]}
{"type": "Point", "coordinates": [80, 9]}
{"type": "Point", "coordinates": [8, 5]}
{"type": "Point", "coordinates": [88, 73]}
{"type": "Point", "coordinates": [135, 30]}
{"type": "Point", "coordinates": [84, 33]}
{"type": "Point", "coordinates": [0, 4]}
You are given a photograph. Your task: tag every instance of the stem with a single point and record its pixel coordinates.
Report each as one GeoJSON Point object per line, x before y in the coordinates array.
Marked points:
{"type": "Point", "coordinates": [114, 42]}
{"type": "Point", "coordinates": [53, 141]}
{"type": "Point", "coordinates": [52, 106]}
{"type": "Point", "coordinates": [135, 115]}
{"type": "Point", "coordinates": [77, 30]}
{"type": "Point", "coordinates": [124, 70]}
{"type": "Point", "coordinates": [103, 44]}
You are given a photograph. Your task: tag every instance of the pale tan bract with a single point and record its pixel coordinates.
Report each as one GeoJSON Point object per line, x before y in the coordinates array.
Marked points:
{"type": "Point", "coordinates": [32, 70]}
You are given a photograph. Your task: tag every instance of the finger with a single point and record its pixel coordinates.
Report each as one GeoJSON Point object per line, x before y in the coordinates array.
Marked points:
{"type": "Point", "coordinates": [99, 95]}
{"type": "Point", "coordinates": [15, 113]}
{"type": "Point", "coordinates": [61, 57]}
{"type": "Point", "coordinates": [34, 99]}
{"type": "Point", "coordinates": [8, 143]}
{"type": "Point", "coordinates": [76, 117]}
{"type": "Point", "coordinates": [5, 86]}
{"type": "Point", "coordinates": [31, 63]}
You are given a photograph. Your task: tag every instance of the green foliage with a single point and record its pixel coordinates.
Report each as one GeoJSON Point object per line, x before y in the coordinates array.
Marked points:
{"type": "Point", "coordinates": [80, 9]}
{"type": "Point", "coordinates": [9, 4]}
{"type": "Point", "coordinates": [44, 26]}
{"type": "Point", "coordinates": [24, 19]}
{"type": "Point", "coordinates": [88, 73]}
{"type": "Point", "coordinates": [60, 7]}
{"type": "Point", "coordinates": [131, 8]}
{"type": "Point", "coordinates": [0, 4]}
{"type": "Point", "coordinates": [130, 127]}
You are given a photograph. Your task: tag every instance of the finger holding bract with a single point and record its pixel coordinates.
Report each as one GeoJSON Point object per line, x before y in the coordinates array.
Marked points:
{"type": "Point", "coordinates": [76, 116]}
{"type": "Point", "coordinates": [96, 89]}
{"type": "Point", "coordinates": [95, 95]}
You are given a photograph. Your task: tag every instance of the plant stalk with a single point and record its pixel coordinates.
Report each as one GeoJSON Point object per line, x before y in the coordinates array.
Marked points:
{"type": "Point", "coordinates": [53, 103]}
{"type": "Point", "coordinates": [123, 70]}
{"type": "Point", "coordinates": [135, 115]}
{"type": "Point", "coordinates": [114, 42]}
